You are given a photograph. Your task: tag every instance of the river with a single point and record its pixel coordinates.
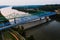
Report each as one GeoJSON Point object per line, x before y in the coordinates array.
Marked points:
{"type": "Point", "coordinates": [46, 31]}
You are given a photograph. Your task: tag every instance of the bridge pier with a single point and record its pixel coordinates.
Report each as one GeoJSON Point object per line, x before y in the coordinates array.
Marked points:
{"type": "Point", "coordinates": [47, 18]}
{"type": "Point", "coordinates": [15, 20]}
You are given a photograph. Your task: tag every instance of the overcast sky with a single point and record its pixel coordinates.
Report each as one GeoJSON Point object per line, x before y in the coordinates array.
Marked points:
{"type": "Point", "coordinates": [28, 2]}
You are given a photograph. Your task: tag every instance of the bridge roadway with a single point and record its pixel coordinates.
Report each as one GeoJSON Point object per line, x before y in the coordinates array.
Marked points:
{"type": "Point", "coordinates": [24, 20]}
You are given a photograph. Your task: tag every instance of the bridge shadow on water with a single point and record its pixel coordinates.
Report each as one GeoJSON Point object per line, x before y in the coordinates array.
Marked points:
{"type": "Point", "coordinates": [46, 31]}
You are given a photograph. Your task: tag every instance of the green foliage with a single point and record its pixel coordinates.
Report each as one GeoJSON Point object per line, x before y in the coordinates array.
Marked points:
{"type": "Point", "coordinates": [3, 19]}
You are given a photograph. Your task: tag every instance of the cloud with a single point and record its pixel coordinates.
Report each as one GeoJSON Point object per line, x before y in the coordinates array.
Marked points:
{"type": "Point", "coordinates": [28, 2]}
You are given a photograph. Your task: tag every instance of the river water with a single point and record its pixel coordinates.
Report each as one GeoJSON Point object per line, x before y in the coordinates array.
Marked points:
{"type": "Point", "coordinates": [46, 31]}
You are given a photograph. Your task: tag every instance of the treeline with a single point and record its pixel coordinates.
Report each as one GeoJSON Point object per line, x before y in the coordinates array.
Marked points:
{"type": "Point", "coordinates": [37, 7]}
{"type": "Point", "coordinates": [50, 7]}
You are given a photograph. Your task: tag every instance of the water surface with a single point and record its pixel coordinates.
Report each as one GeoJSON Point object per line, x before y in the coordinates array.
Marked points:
{"type": "Point", "coordinates": [47, 31]}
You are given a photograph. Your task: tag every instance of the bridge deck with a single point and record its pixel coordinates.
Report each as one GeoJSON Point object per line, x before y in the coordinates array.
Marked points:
{"type": "Point", "coordinates": [25, 19]}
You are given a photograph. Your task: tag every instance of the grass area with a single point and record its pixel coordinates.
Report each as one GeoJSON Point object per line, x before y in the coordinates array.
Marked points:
{"type": "Point", "coordinates": [8, 36]}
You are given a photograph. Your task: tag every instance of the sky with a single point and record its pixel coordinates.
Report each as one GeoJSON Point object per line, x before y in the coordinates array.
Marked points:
{"type": "Point", "coordinates": [28, 2]}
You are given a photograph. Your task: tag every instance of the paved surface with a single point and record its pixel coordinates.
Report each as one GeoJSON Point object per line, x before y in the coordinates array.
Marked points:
{"type": "Point", "coordinates": [47, 31]}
